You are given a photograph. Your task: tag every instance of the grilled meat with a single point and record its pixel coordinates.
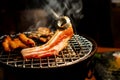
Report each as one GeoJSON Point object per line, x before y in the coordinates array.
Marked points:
{"type": "Point", "coordinates": [44, 31]}
{"type": "Point", "coordinates": [5, 44]}
{"type": "Point", "coordinates": [43, 34]}
{"type": "Point", "coordinates": [26, 40]}
{"type": "Point", "coordinates": [57, 43]}
{"type": "Point", "coordinates": [16, 43]}
{"type": "Point", "coordinates": [10, 44]}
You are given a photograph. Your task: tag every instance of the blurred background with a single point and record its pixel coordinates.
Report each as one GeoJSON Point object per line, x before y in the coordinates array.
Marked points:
{"type": "Point", "coordinates": [98, 19]}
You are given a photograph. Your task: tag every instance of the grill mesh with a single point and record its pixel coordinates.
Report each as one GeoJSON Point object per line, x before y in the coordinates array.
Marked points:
{"type": "Point", "coordinates": [78, 48]}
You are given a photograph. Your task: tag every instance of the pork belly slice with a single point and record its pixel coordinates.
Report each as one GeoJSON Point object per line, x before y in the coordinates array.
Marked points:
{"type": "Point", "coordinates": [56, 44]}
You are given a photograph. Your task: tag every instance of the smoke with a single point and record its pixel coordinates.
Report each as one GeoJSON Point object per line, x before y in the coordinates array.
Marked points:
{"type": "Point", "coordinates": [65, 7]}
{"type": "Point", "coordinates": [70, 8]}
{"type": "Point", "coordinates": [38, 13]}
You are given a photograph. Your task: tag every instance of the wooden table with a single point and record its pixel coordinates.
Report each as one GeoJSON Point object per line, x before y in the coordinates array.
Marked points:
{"type": "Point", "coordinates": [106, 49]}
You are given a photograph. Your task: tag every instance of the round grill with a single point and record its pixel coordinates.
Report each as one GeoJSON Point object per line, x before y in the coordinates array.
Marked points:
{"type": "Point", "coordinates": [78, 49]}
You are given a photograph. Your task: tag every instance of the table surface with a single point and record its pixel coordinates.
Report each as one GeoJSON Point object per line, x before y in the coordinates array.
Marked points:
{"type": "Point", "coordinates": [106, 49]}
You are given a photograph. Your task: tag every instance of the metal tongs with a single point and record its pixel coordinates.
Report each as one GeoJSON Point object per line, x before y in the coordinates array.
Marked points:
{"type": "Point", "coordinates": [62, 21]}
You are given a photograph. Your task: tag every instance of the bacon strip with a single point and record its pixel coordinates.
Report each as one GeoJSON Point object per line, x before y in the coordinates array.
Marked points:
{"type": "Point", "coordinates": [57, 43]}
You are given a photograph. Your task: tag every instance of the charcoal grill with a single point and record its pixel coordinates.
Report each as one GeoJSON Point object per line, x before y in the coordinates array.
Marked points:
{"type": "Point", "coordinates": [78, 49]}
{"type": "Point", "coordinates": [73, 60]}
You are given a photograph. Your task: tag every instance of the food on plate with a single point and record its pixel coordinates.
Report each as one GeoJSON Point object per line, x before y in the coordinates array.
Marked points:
{"type": "Point", "coordinates": [5, 44]}
{"type": "Point", "coordinates": [57, 43]}
{"type": "Point", "coordinates": [43, 34]}
{"type": "Point", "coordinates": [26, 40]}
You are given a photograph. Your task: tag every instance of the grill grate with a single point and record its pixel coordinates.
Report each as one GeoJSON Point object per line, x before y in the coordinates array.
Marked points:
{"type": "Point", "coordinates": [78, 48]}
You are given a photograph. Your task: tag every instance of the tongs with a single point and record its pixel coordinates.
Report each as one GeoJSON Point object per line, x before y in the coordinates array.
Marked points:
{"type": "Point", "coordinates": [62, 21]}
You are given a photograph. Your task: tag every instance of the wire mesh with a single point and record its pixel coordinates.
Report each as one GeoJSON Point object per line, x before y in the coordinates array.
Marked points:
{"type": "Point", "coordinates": [77, 49]}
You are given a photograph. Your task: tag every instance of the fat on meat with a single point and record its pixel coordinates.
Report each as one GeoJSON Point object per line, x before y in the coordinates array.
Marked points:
{"type": "Point", "coordinates": [56, 44]}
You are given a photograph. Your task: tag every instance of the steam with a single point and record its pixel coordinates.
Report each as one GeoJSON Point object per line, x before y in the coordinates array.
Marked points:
{"type": "Point", "coordinates": [53, 9]}
{"type": "Point", "coordinates": [65, 7]}
{"type": "Point", "coordinates": [70, 8]}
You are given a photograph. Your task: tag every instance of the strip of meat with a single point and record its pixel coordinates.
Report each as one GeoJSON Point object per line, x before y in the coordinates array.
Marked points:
{"type": "Point", "coordinates": [57, 43]}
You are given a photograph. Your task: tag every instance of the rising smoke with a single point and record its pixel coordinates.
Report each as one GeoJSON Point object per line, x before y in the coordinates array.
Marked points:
{"type": "Point", "coordinates": [41, 12]}
{"type": "Point", "coordinates": [65, 7]}
{"type": "Point", "coordinates": [70, 8]}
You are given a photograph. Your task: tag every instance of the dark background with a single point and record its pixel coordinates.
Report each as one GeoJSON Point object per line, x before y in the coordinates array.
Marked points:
{"type": "Point", "coordinates": [96, 21]}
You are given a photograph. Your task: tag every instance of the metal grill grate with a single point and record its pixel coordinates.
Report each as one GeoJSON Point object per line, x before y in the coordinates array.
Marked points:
{"type": "Point", "coordinates": [78, 48]}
